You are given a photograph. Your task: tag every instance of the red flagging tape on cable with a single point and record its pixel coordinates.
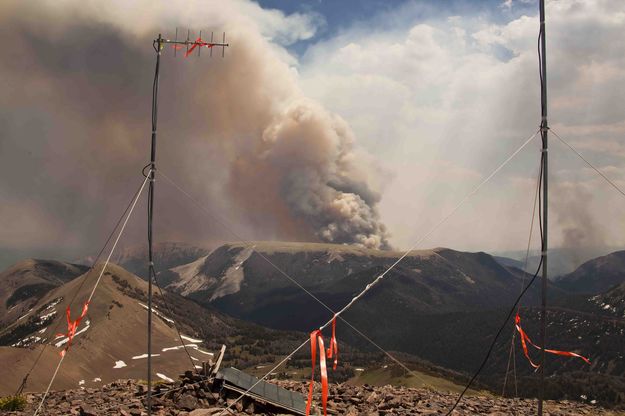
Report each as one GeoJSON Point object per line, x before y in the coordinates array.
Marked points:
{"type": "Point", "coordinates": [525, 339]}
{"type": "Point", "coordinates": [333, 351]}
{"type": "Point", "coordinates": [198, 42]}
{"type": "Point", "coordinates": [72, 326]}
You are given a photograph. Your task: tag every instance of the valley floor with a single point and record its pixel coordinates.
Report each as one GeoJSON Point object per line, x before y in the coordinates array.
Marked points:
{"type": "Point", "coordinates": [124, 397]}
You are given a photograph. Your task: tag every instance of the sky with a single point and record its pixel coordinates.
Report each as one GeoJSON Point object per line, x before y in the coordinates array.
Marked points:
{"type": "Point", "coordinates": [359, 122]}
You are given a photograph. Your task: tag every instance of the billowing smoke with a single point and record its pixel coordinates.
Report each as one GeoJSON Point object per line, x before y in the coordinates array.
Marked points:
{"type": "Point", "coordinates": [582, 237]}
{"type": "Point", "coordinates": [306, 161]}
{"type": "Point", "coordinates": [237, 131]}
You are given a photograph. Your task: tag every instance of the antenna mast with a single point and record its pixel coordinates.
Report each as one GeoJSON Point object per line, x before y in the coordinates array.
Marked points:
{"type": "Point", "coordinates": [544, 128]}
{"type": "Point", "coordinates": [158, 45]}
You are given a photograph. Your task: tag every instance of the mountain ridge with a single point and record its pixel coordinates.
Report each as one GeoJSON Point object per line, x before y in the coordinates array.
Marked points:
{"type": "Point", "coordinates": [24, 283]}
{"type": "Point", "coordinates": [596, 275]}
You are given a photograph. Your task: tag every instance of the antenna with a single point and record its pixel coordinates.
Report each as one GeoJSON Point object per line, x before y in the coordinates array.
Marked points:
{"type": "Point", "coordinates": [159, 45]}
{"type": "Point", "coordinates": [176, 40]}
{"type": "Point", "coordinates": [187, 43]}
{"type": "Point", "coordinates": [544, 129]}
{"type": "Point", "coordinates": [192, 45]}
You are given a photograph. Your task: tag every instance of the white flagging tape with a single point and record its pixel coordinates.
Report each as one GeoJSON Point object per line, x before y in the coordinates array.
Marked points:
{"type": "Point", "coordinates": [414, 246]}
{"type": "Point", "coordinates": [121, 231]}
{"type": "Point", "coordinates": [619, 190]}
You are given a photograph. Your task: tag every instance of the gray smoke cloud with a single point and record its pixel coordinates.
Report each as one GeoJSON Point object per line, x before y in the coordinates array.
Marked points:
{"type": "Point", "coordinates": [582, 237]}
{"type": "Point", "coordinates": [74, 107]}
{"type": "Point", "coordinates": [306, 159]}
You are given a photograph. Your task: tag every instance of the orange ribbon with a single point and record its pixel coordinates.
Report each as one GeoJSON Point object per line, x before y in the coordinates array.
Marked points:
{"type": "Point", "coordinates": [525, 339]}
{"type": "Point", "coordinates": [72, 326]}
{"type": "Point", "coordinates": [198, 42]}
{"type": "Point", "coordinates": [332, 351]}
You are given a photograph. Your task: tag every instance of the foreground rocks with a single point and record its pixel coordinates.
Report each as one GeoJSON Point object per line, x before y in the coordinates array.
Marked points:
{"type": "Point", "coordinates": [192, 397]}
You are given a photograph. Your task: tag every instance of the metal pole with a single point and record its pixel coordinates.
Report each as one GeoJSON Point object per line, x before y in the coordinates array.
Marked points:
{"type": "Point", "coordinates": [545, 157]}
{"type": "Point", "coordinates": [158, 47]}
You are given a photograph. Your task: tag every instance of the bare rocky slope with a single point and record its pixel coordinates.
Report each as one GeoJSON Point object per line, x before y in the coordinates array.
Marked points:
{"type": "Point", "coordinates": [186, 398]}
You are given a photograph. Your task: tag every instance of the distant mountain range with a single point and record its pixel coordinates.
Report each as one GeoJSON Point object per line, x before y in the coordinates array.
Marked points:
{"type": "Point", "coordinates": [440, 305]}
{"type": "Point", "coordinates": [166, 255]}
{"type": "Point", "coordinates": [241, 280]}
{"type": "Point", "coordinates": [26, 282]}
{"type": "Point", "coordinates": [596, 275]}
{"type": "Point", "coordinates": [562, 260]}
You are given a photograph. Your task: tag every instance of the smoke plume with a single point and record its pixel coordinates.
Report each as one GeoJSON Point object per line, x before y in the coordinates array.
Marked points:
{"type": "Point", "coordinates": [237, 131]}
{"type": "Point", "coordinates": [582, 236]}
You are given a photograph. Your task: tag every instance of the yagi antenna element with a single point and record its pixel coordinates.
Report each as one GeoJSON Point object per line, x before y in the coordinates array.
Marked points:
{"type": "Point", "coordinates": [190, 45]}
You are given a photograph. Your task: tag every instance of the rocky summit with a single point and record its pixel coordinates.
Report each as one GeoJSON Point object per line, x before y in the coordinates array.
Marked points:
{"type": "Point", "coordinates": [192, 397]}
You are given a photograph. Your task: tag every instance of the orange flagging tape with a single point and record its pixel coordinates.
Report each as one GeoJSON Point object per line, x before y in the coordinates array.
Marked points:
{"type": "Point", "coordinates": [198, 42]}
{"type": "Point", "coordinates": [525, 339]}
{"type": "Point", "coordinates": [72, 326]}
{"type": "Point", "coordinates": [333, 351]}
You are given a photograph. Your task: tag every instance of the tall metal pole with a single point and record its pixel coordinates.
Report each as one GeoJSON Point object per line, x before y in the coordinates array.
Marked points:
{"type": "Point", "coordinates": [544, 126]}
{"type": "Point", "coordinates": [158, 43]}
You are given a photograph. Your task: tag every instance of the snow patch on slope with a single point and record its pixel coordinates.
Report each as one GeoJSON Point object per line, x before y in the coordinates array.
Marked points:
{"type": "Point", "coordinates": [65, 339]}
{"type": "Point", "coordinates": [192, 346]}
{"type": "Point", "coordinates": [187, 338]}
{"type": "Point", "coordinates": [157, 313]}
{"type": "Point", "coordinates": [27, 342]}
{"type": "Point", "coordinates": [164, 377]}
{"type": "Point", "coordinates": [138, 357]}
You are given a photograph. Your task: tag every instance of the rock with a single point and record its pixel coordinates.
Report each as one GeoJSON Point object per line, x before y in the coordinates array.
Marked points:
{"type": "Point", "coordinates": [197, 399]}
{"type": "Point", "coordinates": [206, 412]}
{"type": "Point", "coordinates": [373, 398]}
{"type": "Point", "coordinates": [187, 402]}
{"type": "Point", "coordinates": [86, 410]}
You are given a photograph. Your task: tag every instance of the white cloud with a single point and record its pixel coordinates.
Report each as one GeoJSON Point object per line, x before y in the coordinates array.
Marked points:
{"type": "Point", "coordinates": [441, 90]}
